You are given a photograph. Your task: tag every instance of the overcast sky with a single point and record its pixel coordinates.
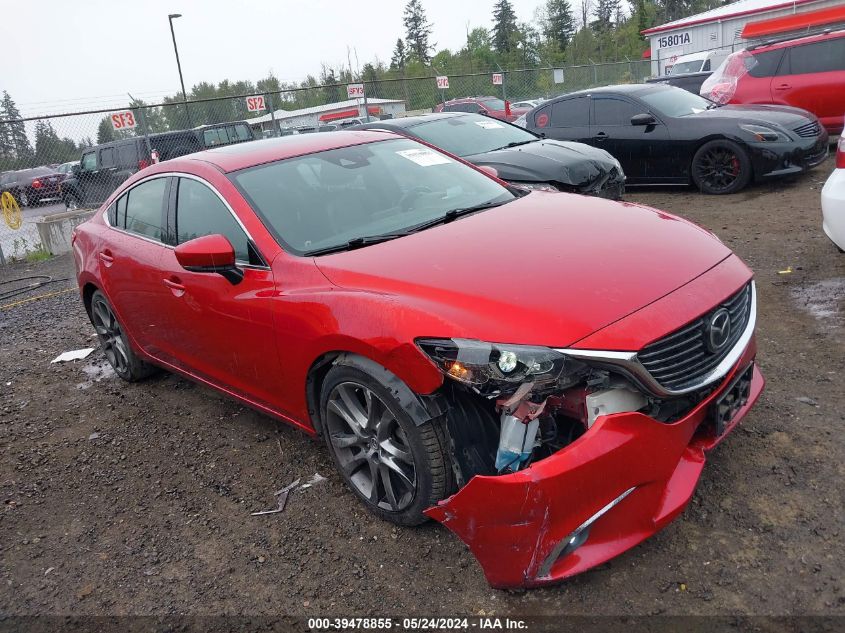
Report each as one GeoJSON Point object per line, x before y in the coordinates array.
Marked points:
{"type": "Point", "coordinates": [60, 56]}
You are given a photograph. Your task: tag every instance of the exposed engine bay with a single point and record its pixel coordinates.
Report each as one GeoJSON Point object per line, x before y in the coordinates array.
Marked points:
{"type": "Point", "coordinates": [510, 406]}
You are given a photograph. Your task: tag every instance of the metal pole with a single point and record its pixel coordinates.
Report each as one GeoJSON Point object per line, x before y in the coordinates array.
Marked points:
{"type": "Point", "coordinates": [366, 109]}
{"type": "Point", "coordinates": [504, 94]}
{"type": "Point", "coordinates": [179, 65]}
{"type": "Point", "coordinates": [272, 113]}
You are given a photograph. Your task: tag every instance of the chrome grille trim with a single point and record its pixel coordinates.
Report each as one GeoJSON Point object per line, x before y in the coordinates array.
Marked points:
{"type": "Point", "coordinates": [808, 130]}
{"type": "Point", "coordinates": [630, 363]}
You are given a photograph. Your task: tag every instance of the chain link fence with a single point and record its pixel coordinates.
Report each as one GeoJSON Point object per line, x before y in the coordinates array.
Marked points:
{"type": "Point", "coordinates": [55, 168]}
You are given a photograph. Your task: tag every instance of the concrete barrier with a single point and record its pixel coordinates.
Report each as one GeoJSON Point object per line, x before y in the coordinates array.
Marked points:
{"type": "Point", "coordinates": [54, 230]}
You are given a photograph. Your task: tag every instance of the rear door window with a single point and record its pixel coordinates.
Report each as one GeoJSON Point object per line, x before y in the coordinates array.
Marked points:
{"type": "Point", "coordinates": [571, 112]}
{"type": "Point", "coordinates": [144, 208]}
{"type": "Point", "coordinates": [107, 157]}
{"type": "Point", "coordinates": [818, 57]}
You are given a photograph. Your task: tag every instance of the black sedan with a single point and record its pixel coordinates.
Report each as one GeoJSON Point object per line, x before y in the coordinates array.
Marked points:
{"type": "Point", "coordinates": [518, 156]}
{"type": "Point", "coordinates": [30, 186]}
{"type": "Point", "coordinates": [665, 135]}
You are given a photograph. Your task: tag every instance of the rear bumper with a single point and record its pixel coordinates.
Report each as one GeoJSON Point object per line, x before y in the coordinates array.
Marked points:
{"type": "Point", "coordinates": [637, 474]}
{"type": "Point", "coordinates": [771, 160]}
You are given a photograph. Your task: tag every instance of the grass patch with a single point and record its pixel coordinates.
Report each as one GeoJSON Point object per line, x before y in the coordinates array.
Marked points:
{"type": "Point", "coordinates": [38, 255]}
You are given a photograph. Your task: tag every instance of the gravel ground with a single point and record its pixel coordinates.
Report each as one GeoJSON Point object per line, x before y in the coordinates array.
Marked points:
{"type": "Point", "coordinates": [136, 499]}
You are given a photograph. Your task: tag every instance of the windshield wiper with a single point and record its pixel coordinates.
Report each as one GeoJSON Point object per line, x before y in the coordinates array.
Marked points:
{"type": "Point", "coordinates": [355, 242]}
{"type": "Point", "coordinates": [453, 214]}
{"type": "Point", "coordinates": [517, 143]}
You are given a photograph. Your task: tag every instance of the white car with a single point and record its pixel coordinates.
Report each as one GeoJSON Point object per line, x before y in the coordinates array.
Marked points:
{"type": "Point", "coordinates": [833, 200]}
{"type": "Point", "coordinates": [528, 103]}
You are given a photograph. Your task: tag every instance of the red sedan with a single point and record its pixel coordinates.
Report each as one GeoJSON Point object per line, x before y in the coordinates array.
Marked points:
{"type": "Point", "coordinates": [541, 372]}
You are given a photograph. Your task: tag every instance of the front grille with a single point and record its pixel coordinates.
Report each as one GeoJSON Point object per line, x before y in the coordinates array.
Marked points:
{"type": "Point", "coordinates": [808, 130]}
{"type": "Point", "coordinates": [681, 359]}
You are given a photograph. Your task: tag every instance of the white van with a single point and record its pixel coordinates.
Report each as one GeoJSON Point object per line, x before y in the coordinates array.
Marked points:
{"type": "Point", "coordinates": [697, 62]}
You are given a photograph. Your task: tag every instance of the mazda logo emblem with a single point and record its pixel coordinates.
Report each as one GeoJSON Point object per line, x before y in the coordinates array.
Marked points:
{"type": "Point", "coordinates": [718, 330]}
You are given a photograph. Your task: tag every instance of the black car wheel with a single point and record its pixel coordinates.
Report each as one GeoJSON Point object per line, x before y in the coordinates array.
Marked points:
{"type": "Point", "coordinates": [23, 198]}
{"type": "Point", "coordinates": [115, 343]}
{"type": "Point", "coordinates": [721, 167]}
{"type": "Point", "coordinates": [396, 466]}
{"type": "Point", "coordinates": [71, 202]}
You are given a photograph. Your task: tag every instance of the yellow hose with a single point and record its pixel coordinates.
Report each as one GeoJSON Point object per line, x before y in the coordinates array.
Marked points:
{"type": "Point", "coordinates": [11, 211]}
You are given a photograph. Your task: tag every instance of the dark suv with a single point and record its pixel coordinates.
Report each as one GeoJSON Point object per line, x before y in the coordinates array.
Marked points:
{"type": "Point", "coordinates": [103, 168]}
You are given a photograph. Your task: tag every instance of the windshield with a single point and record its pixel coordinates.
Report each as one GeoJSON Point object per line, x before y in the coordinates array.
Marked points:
{"type": "Point", "coordinates": [471, 134]}
{"type": "Point", "coordinates": [326, 199]}
{"type": "Point", "coordinates": [687, 67]}
{"type": "Point", "coordinates": [493, 104]}
{"type": "Point", "coordinates": [675, 102]}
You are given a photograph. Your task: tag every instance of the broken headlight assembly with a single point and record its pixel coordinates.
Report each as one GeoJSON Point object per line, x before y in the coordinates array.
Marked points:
{"type": "Point", "coordinates": [492, 368]}
{"type": "Point", "coordinates": [536, 186]}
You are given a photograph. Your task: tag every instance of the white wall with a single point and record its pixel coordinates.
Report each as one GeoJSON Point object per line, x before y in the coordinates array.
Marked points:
{"type": "Point", "coordinates": [717, 34]}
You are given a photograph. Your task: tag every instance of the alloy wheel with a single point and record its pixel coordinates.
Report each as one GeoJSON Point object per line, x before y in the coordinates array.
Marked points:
{"type": "Point", "coordinates": [24, 199]}
{"type": "Point", "coordinates": [371, 447]}
{"type": "Point", "coordinates": [718, 168]}
{"type": "Point", "coordinates": [111, 336]}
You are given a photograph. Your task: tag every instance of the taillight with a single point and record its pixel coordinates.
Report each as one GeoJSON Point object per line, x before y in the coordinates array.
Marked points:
{"type": "Point", "coordinates": [840, 153]}
{"type": "Point", "coordinates": [36, 184]}
{"type": "Point", "coordinates": [143, 163]}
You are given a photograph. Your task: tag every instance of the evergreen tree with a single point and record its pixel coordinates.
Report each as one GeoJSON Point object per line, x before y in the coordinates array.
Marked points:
{"type": "Point", "coordinates": [105, 131]}
{"type": "Point", "coordinates": [417, 31]}
{"type": "Point", "coordinates": [559, 25]}
{"type": "Point", "coordinates": [606, 13]}
{"type": "Point", "coordinates": [505, 30]}
{"type": "Point", "coordinates": [642, 18]}
{"type": "Point", "coordinates": [400, 56]}
{"type": "Point", "coordinates": [15, 135]}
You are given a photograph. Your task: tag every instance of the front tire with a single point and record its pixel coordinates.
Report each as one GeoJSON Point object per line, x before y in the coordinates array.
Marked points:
{"type": "Point", "coordinates": [395, 466]}
{"type": "Point", "coordinates": [115, 343]}
{"type": "Point", "coordinates": [71, 202]}
{"type": "Point", "coordinates": [721, 167]}
{"type": "Point", "coordinates": [23, 197]}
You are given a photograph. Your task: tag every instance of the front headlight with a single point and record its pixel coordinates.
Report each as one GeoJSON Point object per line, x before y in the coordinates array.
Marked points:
{"type": "Point", "coordinates": [765, 134]}
{"type": "Point", "coordinates": [536, 186]}
{"type": "Point", "coordinates": [498, 366]}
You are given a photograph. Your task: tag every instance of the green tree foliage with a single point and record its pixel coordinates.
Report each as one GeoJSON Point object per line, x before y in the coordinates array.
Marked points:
{"type": "Point", "coordinates": [559, 24]}
{"type": "Point", "coordinates": [417, 31]}
{"type": "Point", "coordinates": [16, 147]}
{"type": "Point", "coordinates": [400, 56]}
{"type": "Point", "coordinates": [505, 30]}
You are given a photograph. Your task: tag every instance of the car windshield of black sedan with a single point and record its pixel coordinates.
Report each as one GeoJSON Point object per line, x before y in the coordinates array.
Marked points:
{"type": "Point", "coordinates": [676, 102]}
{"type": "Point", "coordinates": [471, 134]}
{"type": "Point", "coordinates": [323, 200]}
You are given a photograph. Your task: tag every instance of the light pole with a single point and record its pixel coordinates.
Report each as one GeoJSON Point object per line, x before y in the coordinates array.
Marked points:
{"type": "Point", "coordinates": [170, 19]}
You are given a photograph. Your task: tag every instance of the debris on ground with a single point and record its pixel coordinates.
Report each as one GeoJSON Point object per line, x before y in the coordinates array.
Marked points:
{"type": "Point", "coordinates": [317, 478]}
{"type": "Point", "coordinates": [77, 354]}
{"type": "Point", "coordinates": [808, 401]}
{"type": "Point", "coordinates": [785, 271]}
{"type": "Point", "coordinates": [280, 502]}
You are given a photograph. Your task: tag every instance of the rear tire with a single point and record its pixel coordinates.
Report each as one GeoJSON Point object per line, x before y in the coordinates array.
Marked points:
{"type": "Point", "coordinates": [372, 438]}
{"type": "Point", "coordinates": [23, 198]}
{"type": "Point", "coordinates": [721, 167]}
{"type": "Point", "coordinates": [115, 343]}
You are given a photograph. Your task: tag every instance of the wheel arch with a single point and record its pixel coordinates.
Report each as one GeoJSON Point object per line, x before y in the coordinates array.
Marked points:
{"type": "Point", "coordinates": [421, 407]}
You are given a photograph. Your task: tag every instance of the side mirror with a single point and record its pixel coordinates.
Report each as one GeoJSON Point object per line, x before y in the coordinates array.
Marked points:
{"type": "Point", "coordinates": [483, 112]}
{"type": "Point", "coordinates": [490, 171]}
{"type": "Point", "coordinates": [75, 169]}
{"type": "Point", "coordinates": [210, 254]}
{"type": "Point", "coordinates": [643, 119]}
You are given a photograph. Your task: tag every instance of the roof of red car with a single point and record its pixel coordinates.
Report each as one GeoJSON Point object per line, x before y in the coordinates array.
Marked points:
{"type": "Point", "coordinates": [789, 42]}
{"type": "Point", "coordinates": [243, 155]}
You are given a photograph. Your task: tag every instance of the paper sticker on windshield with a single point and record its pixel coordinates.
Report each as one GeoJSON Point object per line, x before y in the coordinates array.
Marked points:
{"type": "Point", "coordinates": [424, 157]}
{"type": "Point", "coordinates": [489, 125]}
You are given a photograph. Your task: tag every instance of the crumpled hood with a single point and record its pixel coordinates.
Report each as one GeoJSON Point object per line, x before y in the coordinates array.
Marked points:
{"type": "Point", "coordinates": [545, 269]}
{"type": "Point", "coordinates": [786, 116]}
{"type": "Point", "coordinates": [547, 160]}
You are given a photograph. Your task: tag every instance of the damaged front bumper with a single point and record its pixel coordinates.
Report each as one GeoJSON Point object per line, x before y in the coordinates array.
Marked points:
{"type": "Point", "coordinates": [625, 479]}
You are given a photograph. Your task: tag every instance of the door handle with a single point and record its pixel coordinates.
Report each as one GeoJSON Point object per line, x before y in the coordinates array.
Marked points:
{"type": "Point", "coordinates": [106, 257]}
{"type": "Point", "coordinates": [783, 87]}
{"type": "Point", "coordinates": [175, 287]}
